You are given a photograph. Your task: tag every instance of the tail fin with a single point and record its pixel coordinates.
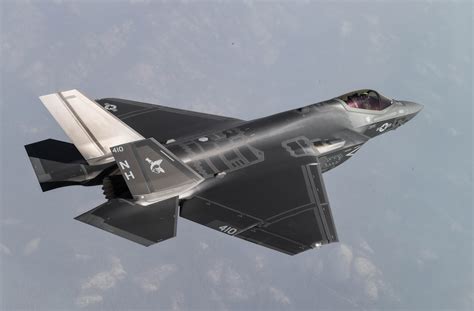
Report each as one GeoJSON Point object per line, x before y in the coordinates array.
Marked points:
{"type": "Point", "coordinates": [92, 129]}
{"type": "Point", "coordinates": [152, 172]}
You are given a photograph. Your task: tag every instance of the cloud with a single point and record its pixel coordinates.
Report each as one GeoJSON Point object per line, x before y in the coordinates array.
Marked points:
{"type": "Point", "coordinates": [106, 279]}
{"type": "Point", "coordinates": [259, 262]}
{"type": "Point", "coordinates": [346, 28]}
{"type": "Point", "coordinates": [32, 246]}
{"type": "Point", "coordinates": [454, 132]}
{"type": "Point", "coordinates": [144, 74]}
{"type": "Point", "coordinates": [279, 296]}
{"type": "Point", "coordinates": [341, 262]}
{"type": "Point", "coordinates": [215, 274]}
{"type": "Point", "coordinates": [235, 286]}
{"type": "Point", "coordinates": [371, 290]}
{"type": "Point", "coordinates": [23, 38]}
{"type": "Point", "coordinates": [366, 247]}
{"type": "Point", "coordinates": [151, 281]}
{"type": "Point", "coordinates": [203, 245]}
{"type": "Point", "coordinates": [229, 281]}
{"type": "Point", "coordinates": [84, 301]}
{"type": "Point", "coordinates": [427, 68]}
{"type": "Point", "coordinates": [30, 130]}
{"type": "Point", "coordinates": [367, 273]}
{"type": "Point", "coordinates": [5, 250]}
{"type": "Point", "coordinates": [92, 288]}
{"type": "Point", "coordinates": [364, 267]}
{"type": "Point", "coordinates": [39, 74]}
{"type": "Point", "coordinates": [177, 301]}
{"type": "Point", "coordinates": [354, 266]}
{"type": "Point", "coordinates": [426, 255]}
{"type": "Point", "coordinates": [110, 42]}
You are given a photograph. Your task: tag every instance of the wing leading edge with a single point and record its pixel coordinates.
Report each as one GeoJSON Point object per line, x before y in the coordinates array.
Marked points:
{"type": "Point", "coordinates": [163, 123]}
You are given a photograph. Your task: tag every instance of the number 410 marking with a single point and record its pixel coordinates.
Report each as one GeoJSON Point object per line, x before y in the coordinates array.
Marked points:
{"type": "Point", "coordinates": [228, 229]}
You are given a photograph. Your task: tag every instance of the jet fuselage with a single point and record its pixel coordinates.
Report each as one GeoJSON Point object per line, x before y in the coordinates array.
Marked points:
{"type": "Point", "coordinates": [330, 130]}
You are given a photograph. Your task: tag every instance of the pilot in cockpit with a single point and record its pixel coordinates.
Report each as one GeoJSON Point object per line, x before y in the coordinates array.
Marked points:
{"type": "Point", "coordinates": [366, 99]}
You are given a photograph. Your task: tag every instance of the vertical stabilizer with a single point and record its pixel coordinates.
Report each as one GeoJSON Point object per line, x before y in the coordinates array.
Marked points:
{"type": "Point", "coordinates": [152, 172]}
{"type": "Point", "coordinates": [92, 129]}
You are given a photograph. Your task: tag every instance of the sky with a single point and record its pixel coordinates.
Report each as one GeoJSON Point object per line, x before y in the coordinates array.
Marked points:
{"type": "Point", "coordinates": [402, 206]}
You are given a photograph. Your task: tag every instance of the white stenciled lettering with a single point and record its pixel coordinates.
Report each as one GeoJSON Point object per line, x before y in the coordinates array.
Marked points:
{"type": "Point", "coordinates": [228, 229]}
{"type": "Point", "coordinates": [117, 149]}
{"type": "Point", "coordinates": [129, 175]}
{"type": "Point", "coordinates": [124, 165]}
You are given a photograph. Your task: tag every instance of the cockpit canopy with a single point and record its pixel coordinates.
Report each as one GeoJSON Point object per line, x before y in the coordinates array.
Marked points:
{"type": "Point", "coordinates": [365, 99]}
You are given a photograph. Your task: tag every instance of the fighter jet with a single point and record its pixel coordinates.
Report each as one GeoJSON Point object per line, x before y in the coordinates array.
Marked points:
{"type": "Point", "coordinates": [258, 180]}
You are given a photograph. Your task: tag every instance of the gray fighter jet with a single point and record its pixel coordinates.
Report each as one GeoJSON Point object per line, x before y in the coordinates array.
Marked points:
{"type": "Point", "coordinates": [258, 180]}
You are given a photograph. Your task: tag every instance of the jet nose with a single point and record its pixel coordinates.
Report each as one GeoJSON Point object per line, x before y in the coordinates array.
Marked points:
{"type": "Point", "coordinates": [412, 108]}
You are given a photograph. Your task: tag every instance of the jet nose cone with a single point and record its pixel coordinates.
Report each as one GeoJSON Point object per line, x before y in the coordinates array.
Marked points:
{"type": "Point", "coordinates": [412, 107]}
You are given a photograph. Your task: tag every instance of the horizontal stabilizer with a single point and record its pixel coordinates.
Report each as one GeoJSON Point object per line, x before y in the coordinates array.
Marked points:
{"type": "Point", "coordinates": [152, 172]}
{"type": "Point", "coordinates": [145, 225]}
{"type": "Point", "coordinates": [55, 150]}
{"type": "Point", "coordinates": [92, 129]}
{"type": "Point", "coordinates": [59, 164]}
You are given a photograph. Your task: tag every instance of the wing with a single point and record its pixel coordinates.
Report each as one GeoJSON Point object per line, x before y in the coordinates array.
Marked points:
{"type": "Point", "coordinates": [280, 203]}
{"type": "Point", "coordinates": [163, 123]}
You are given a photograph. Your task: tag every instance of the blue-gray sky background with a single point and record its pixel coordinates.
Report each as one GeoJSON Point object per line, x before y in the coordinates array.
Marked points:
{"type": "Point", "coordinates": [402, 205]}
